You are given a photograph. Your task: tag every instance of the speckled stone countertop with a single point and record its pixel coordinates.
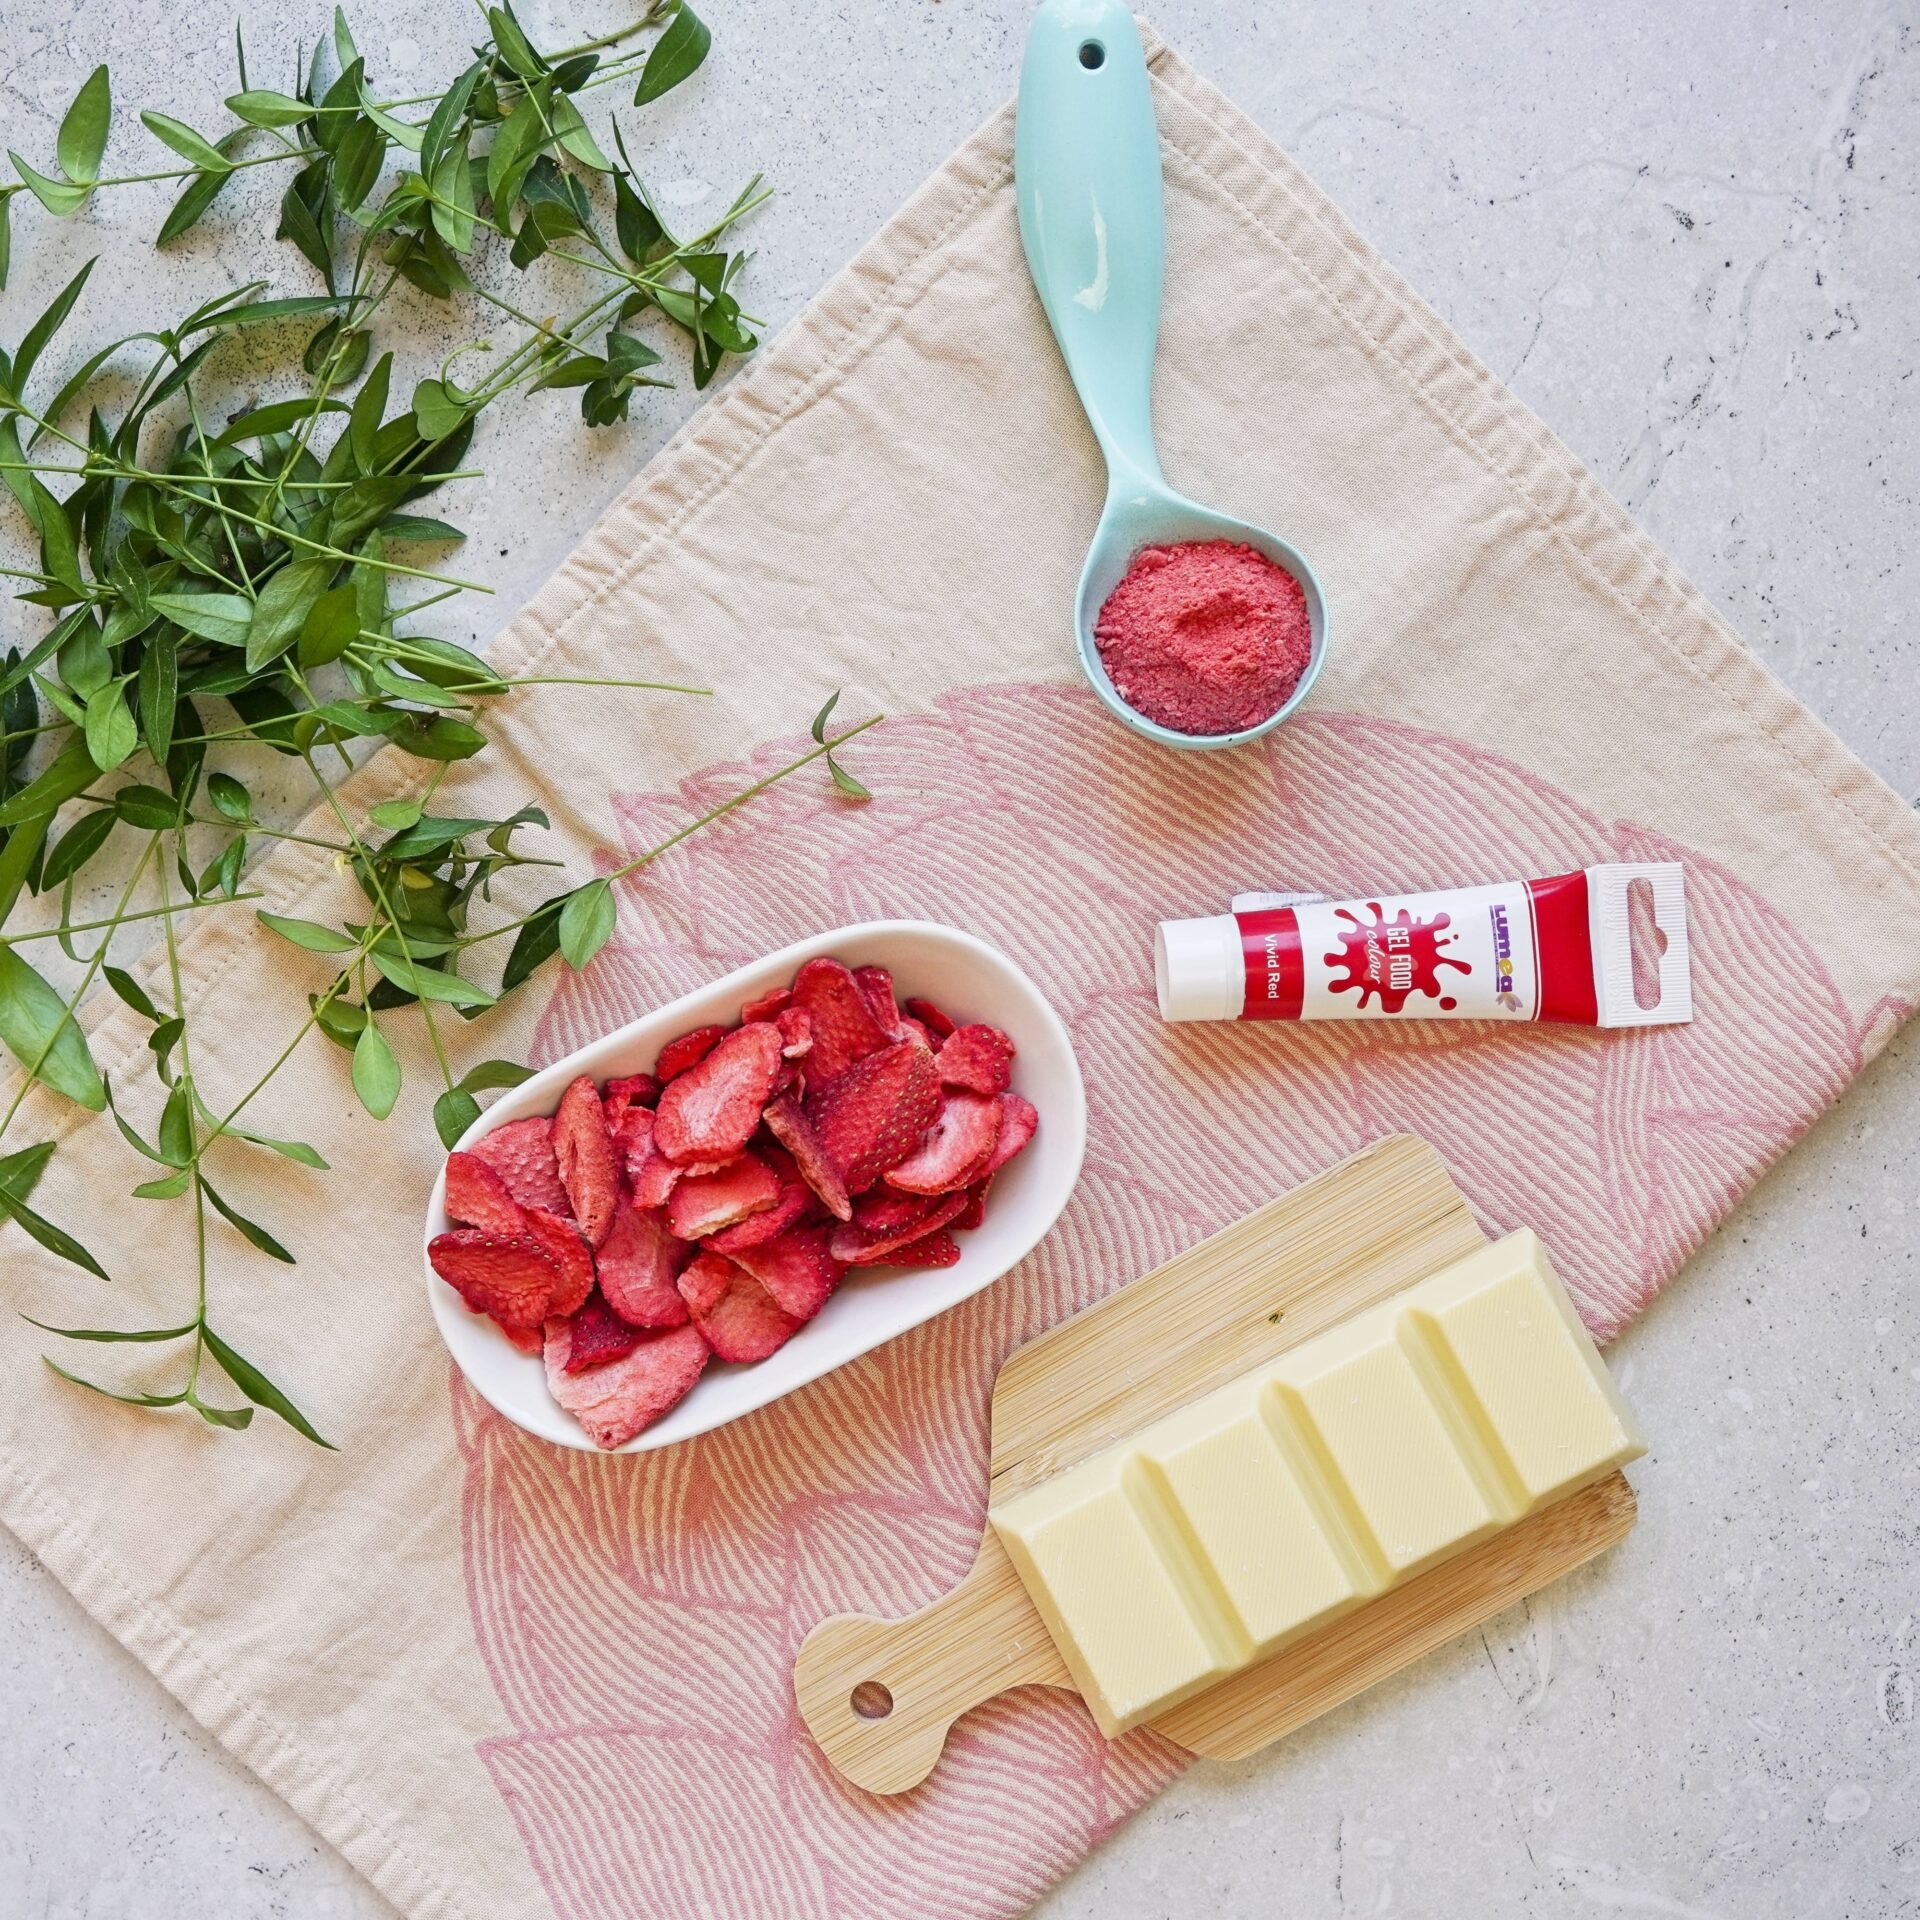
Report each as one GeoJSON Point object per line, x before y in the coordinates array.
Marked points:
{"type": "Point", "coordinates": [1685, 236]}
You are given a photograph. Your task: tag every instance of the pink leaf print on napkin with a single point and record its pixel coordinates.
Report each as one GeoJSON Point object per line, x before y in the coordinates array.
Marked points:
{"type": "Point", "coordinates": [639, 1616]}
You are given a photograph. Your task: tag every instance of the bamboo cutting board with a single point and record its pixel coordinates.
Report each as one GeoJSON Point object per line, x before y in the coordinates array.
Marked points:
{"type": "Point", "coordinates": [879, 1695]}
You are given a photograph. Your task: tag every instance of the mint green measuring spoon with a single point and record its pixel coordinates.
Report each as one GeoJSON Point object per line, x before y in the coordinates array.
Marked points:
{"type": "Point", "coordinates": [1086, 171]}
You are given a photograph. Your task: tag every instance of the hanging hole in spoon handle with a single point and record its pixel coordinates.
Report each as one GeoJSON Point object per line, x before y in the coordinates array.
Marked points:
{"type": "Point", "coordinates": [879, 1695]}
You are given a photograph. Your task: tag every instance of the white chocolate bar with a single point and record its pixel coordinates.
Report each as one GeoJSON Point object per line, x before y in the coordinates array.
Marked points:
{"type": "Point", "coordinates": [1316, 1481]}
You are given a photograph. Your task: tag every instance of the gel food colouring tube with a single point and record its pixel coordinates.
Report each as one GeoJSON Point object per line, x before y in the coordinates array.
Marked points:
{"type": "Point", "coordinates": [1552, 949]}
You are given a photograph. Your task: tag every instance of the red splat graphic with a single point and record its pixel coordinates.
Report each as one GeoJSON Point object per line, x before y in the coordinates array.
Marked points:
{"type": "Point", "coordinates": [1394, 958]}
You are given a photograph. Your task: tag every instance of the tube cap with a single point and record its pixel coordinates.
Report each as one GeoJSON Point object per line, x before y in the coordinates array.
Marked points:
{"type": "Point", "coordinates": [1198, 971]}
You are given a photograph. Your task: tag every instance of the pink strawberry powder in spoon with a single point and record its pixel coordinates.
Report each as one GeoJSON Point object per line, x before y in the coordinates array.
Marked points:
{"type": "Point", "coordinates": [1205, 637]}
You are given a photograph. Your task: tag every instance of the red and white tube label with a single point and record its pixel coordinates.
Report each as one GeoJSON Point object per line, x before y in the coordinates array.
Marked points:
{"type": "Point", "coordinates": [1516, 950]}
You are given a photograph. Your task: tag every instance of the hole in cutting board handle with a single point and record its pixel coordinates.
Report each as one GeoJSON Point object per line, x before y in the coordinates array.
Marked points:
{"type": "Point", "coordinates": [1092, 54]}
{"type": "Point", "coordinates": [870, 1700]}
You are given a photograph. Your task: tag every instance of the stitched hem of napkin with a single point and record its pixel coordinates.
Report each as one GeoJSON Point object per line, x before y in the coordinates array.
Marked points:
{"type": "Point", "coordinates": [852, 315]}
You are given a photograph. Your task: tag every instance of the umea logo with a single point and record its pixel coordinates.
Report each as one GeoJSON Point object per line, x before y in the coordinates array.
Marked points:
{"type": "Point", "coordinates": [1503, 992]}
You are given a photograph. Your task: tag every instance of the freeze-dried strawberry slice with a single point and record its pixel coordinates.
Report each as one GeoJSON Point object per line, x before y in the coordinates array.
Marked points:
{"type": "Point", "coordinates": [842, 1018]}
{"type": "Point", "coordinates": [975, 1211]}
{"type": "Point", "coordinates": [626, 1396]}
{"type": "Point", "coordinates": [1018, 1123]}
{"type": "Point", "coordinates": [936, 1250]}
{"type": "Point", "coordinates": [768, 1007]}
{"type": "Point", "coordinates": [521, 1153]}
{"type": "Point", "coordinates": [635, 1090]}
{"type": "Point", "coordinates": [599, 1335]}
{"type": "Point", "coordinates": [704, 1203]}
{"type": "Point", "coordinates": [797, 1269]}
{"type": "Point", "coordinates": [876, 984]}
{"type": "Point", "coordinates": [584, 1150]}
{"type": "Point", "coordinates": [795, 1203]}
{"type": "Point", "coordinates": [796, 1032]}
{"type": "Point", "coordinates": [979, 1058]}
{"type": "Point", "coordinates": [711, 1111]}
{"type": "Point", "coordinates": [738, 1317]}
{"type": "Point", "coordinates": [872, 1239]}
{"type": "Point", "coordinates": [478, 1197]}
{"type": "Point", "coordinates": [936, 1023]}
{"type": "Point", "coordinates": [687, 1051]}
{"type": "Point", "coordinates": [527, 1339]}
{"type": "Point", "coordinates": [917, 1033]}
{"type": "Point", "coordinates": [788, 1123]}
{"type": "Point", "coordinates": [650, 1174]}
{"type": "Point", "coordinates": [873, 1116]}
{"type": "Point", "coordinates": [572, 1260]}
{"type": "Point", "coordinates": [637, 1268]}
{"type": "Point", "coordinates": [513, 1280]}
{"type": "Point", "coordinates": [955, 1152]}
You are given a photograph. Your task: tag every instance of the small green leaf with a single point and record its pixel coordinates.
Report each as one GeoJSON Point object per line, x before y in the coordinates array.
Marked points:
{"type": "Point", "coordinates": [175, 1132]}
{"type": "Point", "coordinates": [77, 846]}
{"type": "Point", "coordinates": [114, 1334]}
{"type": "Point", "coordinates": [436, 413]}
{"type": "Point", "coordinates": [56, 1240]}
{"type": "Point", "coordinates": [147, 808]}
{"type": "Point", "coordinates": [576, 139]}
{"type": "Point", "coordinates": [298, 220]}
{"type": "Point", "coordinates": [356, 166]}
{"type": "Point", "coordinates": [820, 719]}
{"type": "Point", "coordinates": [453, 1113]}
{"type": "Point", "coordinates": [169, 1186]}
{"type": "Point", "coordinates": [282, 608]}
{"type": "Point", "coordinates": [453, 208]}
{"type": "Point", "coordinates": [295, 1150]}
{"type": "Point", "coordinates": [428, 983]}
{"type": "Point", "coordinates": [72, 773]}
{"type": "Point", "coordinates": [676, 54]}
{"type": "Point", "coordinates": [251, 313]}
{"type": "Point", "coordinates": [410, 137]}
{"type": "Point", "coordinates": [159, 693]}
{"type": "Point", "coordinates": [186, 143]}
{"type": "Point", "coordinates": [238, 1418]}
{"type": "Point", "coordinates": [111, 730]}
{"type": "Point", "coordinates": [492, 1074]}
{"type": "Point", "coordinates": [262, 107]}
{"type": "Point", "coordinates": [34, 341]}
{"type": "Point", "coordinates": [446, 116]}
{"type": "Point", "coordinates": [394, 815]}
{"type": "Point", "coordinates": [260, 1390]}
{"type": "Point", "coordinates": [108, 1393]}
{"type": "Point", "coordinates": [845, 781]}
{"type": "Point", "coordinates": [587, 922]}
{"type": "Point", "coordinates": [330, 628]}
{"type": "Point", "coordinates": [223, 618]}
{"type": "Point", "coordinates": [251, 1230]}
{"type": "Point", "coordinates": [515, 48]}
{"type": "Point", "coordinates": [199, 193]}
{"type": "Point", "coordinates": [536, 943]}
{"type": "Point", "coordinates": [230, 798]}
{"type": "Point", "coordinates": [6, 232]}
{"type": "Point", "coordinates": [131, 991]}
{"type": "Point", "coordinates": [635, 224]}
{"type": "Point", "coordinates": [309, 934]}
{"type": "Point", "coordinates": [83, 133]}
{"type": "Point", "coordinates": [344, 50]}
{"type": "Point", "coordinates": [57, 196]}
{"type": "Point", "coordinates": [59, 549]}
{"type": "Point", "coordinates": [20, 1171]}
{"type": "Point", "coordinates": [376, 1072]}
{"type": "Point", "coordinates": [369, 410]}
{"type": "Point", "coordinates": [36, 1029]}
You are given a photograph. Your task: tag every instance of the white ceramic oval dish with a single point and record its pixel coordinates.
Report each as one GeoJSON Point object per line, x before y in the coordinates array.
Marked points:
{"type": "Point", "coordinates": [964, 976]}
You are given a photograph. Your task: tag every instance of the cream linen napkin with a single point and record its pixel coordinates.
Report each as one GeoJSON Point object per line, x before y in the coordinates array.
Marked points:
{"type": "Point", "coordinates": [509, 1682]}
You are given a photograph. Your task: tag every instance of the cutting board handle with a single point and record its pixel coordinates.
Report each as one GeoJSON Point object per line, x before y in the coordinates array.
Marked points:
{"type": "Point", "coordinates": [879, 1695]}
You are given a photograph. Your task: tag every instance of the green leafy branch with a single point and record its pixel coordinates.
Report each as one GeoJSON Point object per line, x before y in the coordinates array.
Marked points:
{"type": "Point", "coordinates": [219, 583]}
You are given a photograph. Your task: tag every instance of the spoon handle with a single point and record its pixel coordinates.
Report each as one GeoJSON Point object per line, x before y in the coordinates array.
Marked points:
{"type": "Point", "coordinates": [1086, 169]}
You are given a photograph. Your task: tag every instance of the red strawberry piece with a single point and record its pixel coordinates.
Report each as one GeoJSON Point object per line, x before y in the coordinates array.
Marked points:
{"type": "Point", "coordinates": [842, 1018]}
{"type": "Point", "coordinates": [513, 1280]}
{"type": "Point", "coordinates": [954, 1153]}
{"type": "Point", "coordinates": [711, 1111]}
{"type": "Point", "coordinates": [979, 1058]}
{"type": "Point", "coordinates": [527, 1339]}
{"type": "Point", "coordinates": [936, 1250]}
{"type": "Point", "coordinates": [1018, 1123]}
{"type": "Point", "coordinates": [876, 983]}
{"type": "Point", "coordinates": [704, 1203]}
{"type": "Point", "coordinates": [797, 1269]}
{"type": "Point", "coordinates": [650, 1174]}
{"type": "Point", "coordinates": [768, 1007]}
{"type": "Point", "coordinates": [687, 1051]}
{"type": "Point", "coordinates": [738, 1317]}
{"type": "Point", "coordinates": [572, 1260]}
{"type": "Point", "coordinates": [873, 1116]}
{"type": "Point", "coordinates": [796, 1032]}
{"type": "Point", "coordinates": [478, 1197]}
{"type": "Point", "coordinates": [626, 1396]}
{"type": "Point", "coordinates": [788, 1123]}
{"type": "Point", "coordinates": [521, 1153]}
{"type": "Point", "coordinates": [584, 1150]}
{"type": "Point", "coordinates": [599, 1335]}
{"type": "Point", "coordinates": [917, 1033]}
{"type": "Point", "coordinates": [871, 1240]}
{"type": "Point", "coordinates": [936, 1023]}
{"type": "Point", "coordinates": [795, 1203]}
{"type": "Point", "coordinates": [635, 1090]}
{"type": "Point", "coordinates": [975, 1211]}
{"type": "Point", "coordinates": [637, 1267]}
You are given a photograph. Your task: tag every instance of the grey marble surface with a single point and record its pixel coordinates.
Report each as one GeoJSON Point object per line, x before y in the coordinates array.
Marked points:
{"type": "Point", "coordinates": [1686, 236]}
